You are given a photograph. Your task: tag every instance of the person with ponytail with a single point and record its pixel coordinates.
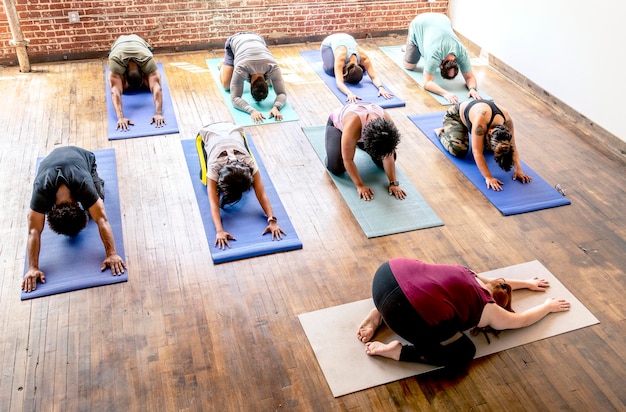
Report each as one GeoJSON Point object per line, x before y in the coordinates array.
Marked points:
{"type": "Point", "coordinates": [341, 54]}
{"type": "Point", "coordinates": [491, 128]}
{"type": "Point", "coordinates": [432, 305]}
{"type": "Point", "coordinates": [230, 171]}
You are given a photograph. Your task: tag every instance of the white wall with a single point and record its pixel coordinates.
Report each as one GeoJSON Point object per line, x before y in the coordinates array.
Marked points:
{"type": "Point", "coordinates": [564, 46]}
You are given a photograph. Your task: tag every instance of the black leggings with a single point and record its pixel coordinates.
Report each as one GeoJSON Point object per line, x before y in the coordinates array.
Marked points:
{"type": "Point", "coordinates": [403, 319]}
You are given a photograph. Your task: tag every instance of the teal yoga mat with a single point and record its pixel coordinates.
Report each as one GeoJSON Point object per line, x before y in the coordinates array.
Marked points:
{"type": "Point", "coordinates": [74, 263]}
{"type": "Point", "coordinates": [384, 215]}
{"type": "Point", "coordinates": [456, 85]}
{"type": "Point", "coordinates": [515, 197]}
{"type": "Point", "coordinates": [138, 106]}
{"type": "Point", "coordinates": [243, 118]}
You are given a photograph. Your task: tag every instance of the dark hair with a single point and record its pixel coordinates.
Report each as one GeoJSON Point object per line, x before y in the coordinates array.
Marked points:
{"type": "Point", "coordinates": [134, 78]}
{"type": "Point", "coordinates": [448, 65]}
{"type": "Point", "coordinates": [352, 73]}
{"type": "Point", "coordinates": [233, 180]}
{"type": "Point", "coordinates": [259, 89]}
{"type": "Point", "coordinates": [381, 137]}
{"type": "Point", "coordinates": [502, 294]}
{"type": "Point", "coordinates": [67, 219]}
{"type": "Point", "coordinates": [500, 140]}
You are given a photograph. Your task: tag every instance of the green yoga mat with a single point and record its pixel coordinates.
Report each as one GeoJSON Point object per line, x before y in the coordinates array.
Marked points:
{"type": "Point", "coordinates": [243, 118]}
{"type": "Point", "coordinates": [456, 85]}
{"type": "Point", "coordinates": [383, 215]}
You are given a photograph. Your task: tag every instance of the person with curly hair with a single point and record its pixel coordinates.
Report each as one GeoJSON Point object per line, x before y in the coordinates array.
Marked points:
{"type": "Point", "coordinates": [132, 67]}
{"type": "Point", "coordinates": [431, 36]}
{"type": "Point", "coordinates": [431, 305]}
{"type": "Point", "coordinates": [341, 54]}
{"type": "Point", "coordinates": [491, 128]}
{"type": "Point", "coordinates": [247, 58]}
{"type": "Point", "coordinates": [368, 127]}
{"type": "Point", "coordinates": [231, 171]}
{"type": "Point", "coordinates": [65, 187]}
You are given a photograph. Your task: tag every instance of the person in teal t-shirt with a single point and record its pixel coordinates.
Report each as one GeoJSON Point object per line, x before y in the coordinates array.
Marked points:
{"type": "Point", "coordinates": [431, 37]}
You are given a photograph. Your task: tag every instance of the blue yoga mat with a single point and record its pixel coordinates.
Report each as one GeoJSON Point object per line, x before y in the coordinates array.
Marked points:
{"type": "Point", "coordinates": [74, 263]}
{"type": "Point", "coordinates": [138, 106]}
{"type": "Point", "coordinates": [456, 85]}
{"type": "Point", "coordinates": [244, 220]}
{"type": "Point", "coordinates": [383, 215]}
{"type": "Point", "coordinates": [516, 197]}
{"type": "Point", "coordinates": [365, 89]}
{"type": "Point", "coordinates": [243, 118]}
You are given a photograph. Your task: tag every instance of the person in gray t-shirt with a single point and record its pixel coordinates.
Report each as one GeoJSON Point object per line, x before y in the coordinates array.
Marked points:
{"type": "Point", "coordinates": [247, 58]}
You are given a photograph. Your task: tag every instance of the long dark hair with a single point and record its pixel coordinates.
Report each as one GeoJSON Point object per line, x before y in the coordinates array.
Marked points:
{"type": "Point", "coordinates": [233, 180]}
{"type": "Point", "coordinates": [500, 140]}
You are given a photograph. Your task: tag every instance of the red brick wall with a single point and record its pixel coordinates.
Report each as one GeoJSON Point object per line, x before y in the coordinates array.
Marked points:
{"type": "Point", "coordinates": [172, 25]}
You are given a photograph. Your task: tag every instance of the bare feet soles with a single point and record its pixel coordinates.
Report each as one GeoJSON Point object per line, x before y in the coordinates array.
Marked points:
{"type": "Point", "coordinates": [369, 325]}
{"type": "Point", "coordinates": [389, 350]}
{"type": "Point", "coordinates": [438, 131]}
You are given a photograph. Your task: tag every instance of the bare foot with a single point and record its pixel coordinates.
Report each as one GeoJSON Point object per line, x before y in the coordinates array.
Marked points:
{"type": "Point", "coordinates": [369, 325]}
{"type": "Point", "coordinates": [438, 131]}
{"type": "Point", "coordinates": [389, 350]}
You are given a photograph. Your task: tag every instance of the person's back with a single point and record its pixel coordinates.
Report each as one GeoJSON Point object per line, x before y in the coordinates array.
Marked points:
{"type": "Point", "coordinates": [71, 166]}
{"type": "Point", "coordinates": [250, 46]}
{"type": "Point", "coordinates": [435, 38]}
{"type": "Point", "coordinates": [128, 47]}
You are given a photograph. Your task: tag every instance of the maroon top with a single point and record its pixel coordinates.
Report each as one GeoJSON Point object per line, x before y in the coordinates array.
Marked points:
{"type": "Point", "coordinates": [441, 293]}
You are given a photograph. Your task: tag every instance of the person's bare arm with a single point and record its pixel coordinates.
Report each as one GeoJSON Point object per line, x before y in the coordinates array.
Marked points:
{"type": "Point", "coordinates": [112, 260]}
{"type": "Point", "coordinates": [154, 83]}
{"type": "Point", "coordinates": [518, 173]}
{"type": "Point", "coordinates": [501, 319]}
{"type": "Point", "coordinates": [349, 136]}
{"type": "Point", "coordinates": [340, 58]}
{"type": "Point", "coordinates": [226, 75]}
{"type": "Point", "coordinates": [221, 236]}
{"type": "Point", "coordinates": [272, 224]}
{"type": "Point", "coordinates": [35, 227]}
{"type": "Point", "coordinates": [116, 84]}
{"type": "Point", "coordinates": [369, 67]}
{"type": "Point", "coordinates": [431, 86]}
{"type": "Point", "coordinates": [535, 283]}
{"type": "Point", "coordinates": [479, 130]}
{"type": "Point", "coordinates": [472, 85]}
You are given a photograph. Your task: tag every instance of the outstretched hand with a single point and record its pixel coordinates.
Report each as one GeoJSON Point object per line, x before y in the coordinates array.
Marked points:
{"type": "Point", "coordinates": [365, 192]}
{"type": "Point", "coordinates": [116, 264]}
{"type": "Point", "coordinates": [276, 114]}
{"type": "Point", "coordinates": [275, 230]}
{"type": "Point", "coordinates": [221, 239]}
{"type": "Point", "coordinates": [123, 123]}
{"type": "Point", "coordinates": [538, 284]}
{"type": "Point", "coordinates": [158, 120]}
{"type": "Point", "coordinates": [257, 116]}
{"type": "Point", "coordinates": [494, 183]}
{"type": "Point", "coordinates": [352, 98]}
{"type": "Point", "coordinates": [29, 283]}
{"type": "Point", "coordinates": [521, 176]}
{"type": "Point", "coordinates": [557, 305]}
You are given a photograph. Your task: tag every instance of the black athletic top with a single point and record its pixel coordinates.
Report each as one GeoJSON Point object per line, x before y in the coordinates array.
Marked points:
{"type": "Point", "coordinates": [494, 112]}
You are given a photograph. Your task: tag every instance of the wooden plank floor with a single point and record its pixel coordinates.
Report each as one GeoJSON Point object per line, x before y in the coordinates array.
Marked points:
{"type": "Point", "coordinates": [185, 335]}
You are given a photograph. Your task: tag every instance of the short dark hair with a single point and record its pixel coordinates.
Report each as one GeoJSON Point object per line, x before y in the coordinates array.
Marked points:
{"type": "Point", "coordinates": [448, 65]}
{"type": "Point", "coordinates": [500, 140]}
{"type": "Point", "coordinates": [381, 137]}
{"type": "Point", "coordinates": [134, 78]}
{"type": "Point", "coordinates": [67, 219]}
{"type": "Point", "coordinates": [259, 89]}
{"type": "Point", "coordinates": [352, 73]}
{"type": "Point", "coordinates": [233, 180]}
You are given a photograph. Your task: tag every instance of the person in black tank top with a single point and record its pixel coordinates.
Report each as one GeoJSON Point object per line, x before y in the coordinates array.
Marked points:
{"type": "Point", "coordinates": [491, 128]}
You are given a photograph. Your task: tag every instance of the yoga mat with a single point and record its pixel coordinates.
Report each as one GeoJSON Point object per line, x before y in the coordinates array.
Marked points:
{"type": "Point", "coordinates": [365, 89]}
{"type": "Point", "coordinates": [138, 106]}
{"type": "Point", "coordinates": [456, 85]}
{"type": "Point", "coordinates": [74, 263]}
{"type": "Point", "coordinates": [244, 220]}
{"type": "Point", "coordinates": [347, 368]}
{"type": "Point", "coordinates": [515, 197]}
{"type": "Point", "coordinates": [243, 118]}
{"type": "Point", "coordinates": [383, 215]}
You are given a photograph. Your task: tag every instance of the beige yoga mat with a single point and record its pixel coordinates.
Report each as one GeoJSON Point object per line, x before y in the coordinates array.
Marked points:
{"type": "Point", "coordinates": [347, 368]}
